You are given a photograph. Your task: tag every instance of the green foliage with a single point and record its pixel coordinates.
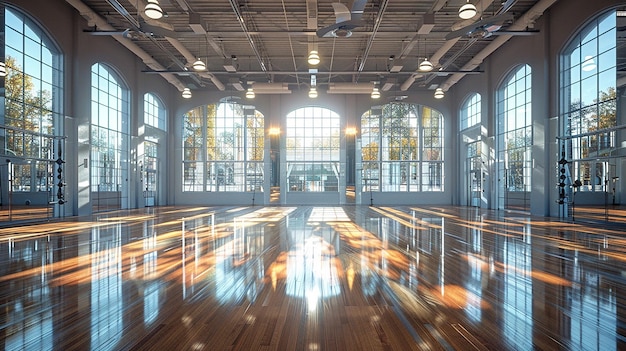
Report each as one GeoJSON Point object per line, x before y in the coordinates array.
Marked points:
{"type": "Point", "coordinates": [26, 108]}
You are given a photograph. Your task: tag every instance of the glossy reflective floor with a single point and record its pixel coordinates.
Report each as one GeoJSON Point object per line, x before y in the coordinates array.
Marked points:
{"type": "Point", "coordinates": [312, 278]}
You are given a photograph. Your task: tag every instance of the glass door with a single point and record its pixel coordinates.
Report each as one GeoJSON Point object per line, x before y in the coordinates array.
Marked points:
{"type": "Point", "coordinates": [475, 180]}
{"type": "Point", "coordinates": [150, 174]}
{"type": "Point", "coordinates": [312, 158]}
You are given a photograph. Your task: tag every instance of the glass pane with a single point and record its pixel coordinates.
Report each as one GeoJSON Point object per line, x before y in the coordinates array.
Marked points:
{"type": "Point", "coordinates": [589, 91]}
{"type": "Point", "coordinates": [315, 137]}
{"type": "Point", "coordinates": [231, 140]}
{"type": "Point", "coordinates": [14, 39]}
{"type": "Point", "coordinates": [403, 128]}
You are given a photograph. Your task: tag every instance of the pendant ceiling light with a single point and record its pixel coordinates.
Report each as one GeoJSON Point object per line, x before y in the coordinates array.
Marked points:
{"type": "Point", "coordinates": [314, 58]}
{"type": "Point", "coordinates": [467, 11]}
{"type": "Point", "coordinates": [199, 65]}
{"type": "Point", "coordinates": [186, 93]}
{"type": "Point", "coordinates": [313, 93]}
{"type": "Point", "coordinates": [250, 94]}
{"type": "Point", "coordinates": [153, 10]}
{"type": "Point", "coordinates": [439, 93]}
{"type": "Point", "coordinates": [426, 66]}
{"type": "Point", "coordinates": [375, 93]}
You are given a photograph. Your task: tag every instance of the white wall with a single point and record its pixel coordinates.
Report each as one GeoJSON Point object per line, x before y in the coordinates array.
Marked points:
{"type": "Point", "coordinates": [541, 52]}
{"type": "Point", "coordinates": [81, 50]}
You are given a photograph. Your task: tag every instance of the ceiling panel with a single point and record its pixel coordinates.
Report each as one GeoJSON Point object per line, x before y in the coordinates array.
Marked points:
{"type": "Point", "coordinates": [269, 40]}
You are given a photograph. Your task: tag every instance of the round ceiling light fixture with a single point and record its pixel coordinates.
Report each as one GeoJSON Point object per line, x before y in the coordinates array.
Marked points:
{"type": "Point", "coordinates": [467, 11]}
{"type": "Point", "coordinates": [199, 65]}
{"type": "Point", "coordinates": [439, 93]}
{"type": "Point", "coordinates": [250, 93]}
{"type": "Point", "coordinates": [375, 93]}
{"type": "Point", "coordinates": [153, 10]}
{"type": "Point", "coordinates": [314, 58]}
{"type": "Point", "coordinates": [186, 93]}
{"type": "Point", "coordinates": [426, 66]}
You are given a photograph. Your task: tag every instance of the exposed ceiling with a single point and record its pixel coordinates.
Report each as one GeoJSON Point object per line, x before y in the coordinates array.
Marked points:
{"type": "Point", "coordinates": [268, 41]}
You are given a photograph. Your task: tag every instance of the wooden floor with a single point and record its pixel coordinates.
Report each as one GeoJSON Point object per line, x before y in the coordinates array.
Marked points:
{"type": "Point", "coordinates": [312, 278]}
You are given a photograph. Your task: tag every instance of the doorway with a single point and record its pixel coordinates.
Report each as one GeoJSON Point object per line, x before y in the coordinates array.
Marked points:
{"type": "Point", "coordinates": [312, 172]}
{"type": "Point", "coordinates": [476, 174]}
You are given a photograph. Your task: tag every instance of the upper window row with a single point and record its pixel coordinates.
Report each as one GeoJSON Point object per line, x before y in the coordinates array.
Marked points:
{"type": "Point", "coordinates": [35, 79]}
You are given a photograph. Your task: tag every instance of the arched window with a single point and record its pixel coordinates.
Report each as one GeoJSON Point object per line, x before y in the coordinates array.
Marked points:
{"type": "Point", "coordinates": [153, 112]}
{"type": "Point", "coordinates": [223, 148]}
{"type": "Point", "coordinates": [514, 139]}
{"type": "Point", "coordinates": [588, 103]}
{"type": "Point", "coordinates": [32, 121]}
{"type": "Point", "coordinates": [109, 139]}
{"type": "Point", "coordinates": [470, 113]}
{"type": "Point", "coordinates": [151, 150]}
{"type": "Point", "coordinates": [313, 139]}
{"type": "Point", "coordinates": [31, 129]}
{"type": "Point", "coordinates": [590, 123]}
{"type": "Point", "coordinates": [402, 148]}
{"type": "Point", "coordinates": [473, 171]}
{"type": "Point", "coordinates": [33, 84]}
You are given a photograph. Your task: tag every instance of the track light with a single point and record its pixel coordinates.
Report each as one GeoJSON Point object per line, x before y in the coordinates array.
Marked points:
{"type": "Point", "coordinates": [313, 93]}
{"type": "Point", "coordinates": [250, 94]}
{"type": "Point", "coordinates": [3, 69]}
{"type": "Point", "coordinates": [199, 65]}
{"type": "Point", "coordinates": [426, 66]}
{"type": "Point", "coordinates": [439, 93]}
{"type": "Point", "coordinates": [153, 10]}
{"type": "Point", "coordinates": [314, 58]}
{"type": "Point", "coordinates": [467, 11]}
{"type": "Point", "coordinates": [186, 93]}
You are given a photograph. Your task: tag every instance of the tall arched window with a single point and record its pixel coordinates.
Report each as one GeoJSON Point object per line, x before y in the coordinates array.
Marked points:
{"type": "Point", "coordinates": [470, 113]}
{"type": "Point", "coordinates": [223, 148]}
{"type": "Point", "coordinates": [592, 85]}
{"type": "Point", "coordinates": [313, 138]}
{"type": "Point", "coordinates": [514, 139]}
{"type": "Point", "coordinates": [153, 111]}
{"type": "Point", "coordinates": [402, 148]}
{"type": "Point", "coordinates": [109, 139]}
{"type": "Point", "coordinates": [32, 121]}
{"type": "Point", "coordinates": [152, 148]}
{"type": "Point", "coordinates": [33, 84]}
{"type": "Point", "coordinates": [473, 172]}
{"type": "Point", "coordinates": [588, 104]}
{"type": "Point", "coordinates": [31, 126]}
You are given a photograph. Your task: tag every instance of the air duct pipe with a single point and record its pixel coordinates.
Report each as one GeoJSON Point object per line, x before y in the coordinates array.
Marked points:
{"type": "Point", "coordinates": [525, 21]}
{"type": "Point", "coordinates": [93, 19]}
